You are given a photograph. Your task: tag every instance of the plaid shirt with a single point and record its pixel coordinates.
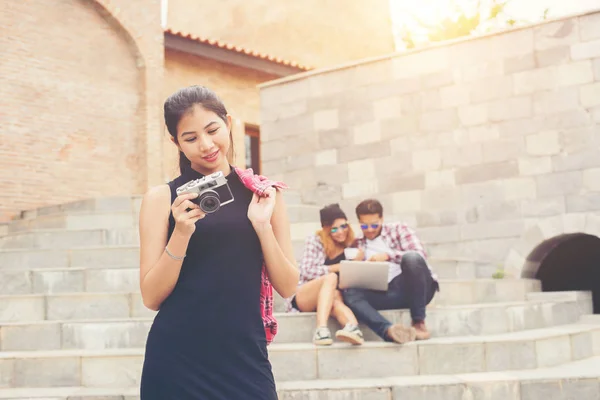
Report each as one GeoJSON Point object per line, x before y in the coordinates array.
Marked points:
{"type": "Point", "coordinates": [400, 238]}
{"type": "Point", "coordinates": [312, 265]}
{"type": "Point", "coordinates": [259, 184]}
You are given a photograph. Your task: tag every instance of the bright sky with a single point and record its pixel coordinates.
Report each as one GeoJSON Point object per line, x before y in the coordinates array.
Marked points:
{"type": "Point", "coordinates": [432, 11]}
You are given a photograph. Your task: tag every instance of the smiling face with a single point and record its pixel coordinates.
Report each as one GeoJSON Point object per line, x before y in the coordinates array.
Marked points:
{"type": "Point", "coordinates": [204, 138]}
{"type": "Point", "coordinates": [339, 230]}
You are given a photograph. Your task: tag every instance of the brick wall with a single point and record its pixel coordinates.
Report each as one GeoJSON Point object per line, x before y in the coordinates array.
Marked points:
{"type": "Point", "coordinates": [313, 32]}
{"type": "Point", "coordinates": [139, 23]}
{"type": "Point", "coordinates": [236, 86]}
{"type": "Point", "coordinates": [472, 142]}
{"type": "Point", "coordinates": [77, 118]}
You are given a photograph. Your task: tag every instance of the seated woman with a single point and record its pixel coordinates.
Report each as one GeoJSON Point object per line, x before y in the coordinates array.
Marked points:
{"type": "Point", "coordinates": [318, 284]}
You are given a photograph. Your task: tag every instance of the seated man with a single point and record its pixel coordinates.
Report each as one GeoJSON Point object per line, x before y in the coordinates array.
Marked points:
{"type": "Point", "coordinates": [411, 283]}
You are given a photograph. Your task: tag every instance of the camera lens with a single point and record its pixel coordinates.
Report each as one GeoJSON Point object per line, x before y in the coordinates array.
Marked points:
{"type": "Point", "coordinates": [209, 202]}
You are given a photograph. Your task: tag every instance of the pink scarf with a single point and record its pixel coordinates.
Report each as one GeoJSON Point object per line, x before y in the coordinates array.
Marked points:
{"type": "Point", "coordinates": [259, 184]}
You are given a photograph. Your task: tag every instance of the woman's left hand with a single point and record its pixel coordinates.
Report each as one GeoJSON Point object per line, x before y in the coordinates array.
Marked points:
{"type": "Point", "coordinates": [334, 268]}
{"type": "Point", "coordinates": [261, 208]}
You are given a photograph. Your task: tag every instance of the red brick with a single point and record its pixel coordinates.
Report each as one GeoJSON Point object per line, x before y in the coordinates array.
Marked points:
{"type": "Point", "coordinates": [76, 108]}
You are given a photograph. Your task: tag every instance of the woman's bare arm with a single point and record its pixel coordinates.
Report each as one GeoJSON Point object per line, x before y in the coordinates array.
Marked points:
{"type": "Point", "coordinates": [276, 242]}
{"type": "Point", "coordinates": [159, 271]}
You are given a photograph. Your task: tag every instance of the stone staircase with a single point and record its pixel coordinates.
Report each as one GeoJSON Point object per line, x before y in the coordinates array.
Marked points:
{"type": "Point", "coordinates": [73, 326]}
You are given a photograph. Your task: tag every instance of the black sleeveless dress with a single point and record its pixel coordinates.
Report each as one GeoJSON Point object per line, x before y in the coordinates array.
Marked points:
{"type": "Point", "coordinates": [208, 340]}
{"type": "Point", "coordinates": [332, 261]}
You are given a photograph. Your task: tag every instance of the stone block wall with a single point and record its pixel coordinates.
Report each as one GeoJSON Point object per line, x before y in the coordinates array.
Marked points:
{"type": "Point", "coordinates": [473, 142]}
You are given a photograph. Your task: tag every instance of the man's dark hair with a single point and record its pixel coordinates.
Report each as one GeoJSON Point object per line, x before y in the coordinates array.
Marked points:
{"type": "Point", "coordinates": [369, 206]}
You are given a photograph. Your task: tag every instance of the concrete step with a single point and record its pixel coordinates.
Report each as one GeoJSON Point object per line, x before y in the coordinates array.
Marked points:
{"type": "Point", "coordinates": [456, 292]}
{"type": "Point", "coordinates": [28, 307]}
{"type": "Point", "coordinates": [130, 204]}
{"type": "Point", "coordinates": [118, 204]}
{"type": "Point", "coordinates": [457, 268]}
{"type": "Point", "coordinates": [83, 229]}
{"type": "Point", "coordinates": [98, 237]}
{"type": "Point", "coordinates": [123, 217]}
{"type": "Point", "coordinates": [68, 239]}
{"type": "Point", "coordinates": [68, 280]}
{"type": "Point", "coordinates": [65, 239]}
{"type": "Point", "coordinates": [44, 239]}
{"type": "Point", "coordinates": [447, 321]}
{"type": "Point", "coordinates": [301, 219]}
{"type": "Point", "coordinates": [113, 276]}
{"type": "Point", "coordinates": [103, 235]}
{"type": "Point", "coordinates": [471, 291]}
{"type": "Point", "coordinates": [76, 221]}
{"type": "Point", "coordinates": [441, 356]}
{"type": "Point", "coordinates": [36, 307]}
{"type": "Point", "coordinates": [70, 393]}
{"type": "Point", "coordinates": [517, 350]}
{"type": "Point", "coordinates": [590, 319]}
{"type": "Point", "coordinates": [118, 250]}
{"type": "Point", "coordinates": [84, 257]}
{"type": "Point", "coordinates": [573, 380]}
{"type": "Point", "coordinates": [104, 275]}
{"type": "Point", "coordinates": [464, 320]}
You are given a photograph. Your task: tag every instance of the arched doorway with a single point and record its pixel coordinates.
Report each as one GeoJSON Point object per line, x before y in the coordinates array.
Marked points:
{"type": "Point", "coordinates": [569, 262]}
{"type": "Point", "coordinates": [562, 251]}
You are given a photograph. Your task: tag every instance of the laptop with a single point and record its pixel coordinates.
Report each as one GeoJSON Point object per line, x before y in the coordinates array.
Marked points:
{"type": "Point", "coordinates": [371, 275]}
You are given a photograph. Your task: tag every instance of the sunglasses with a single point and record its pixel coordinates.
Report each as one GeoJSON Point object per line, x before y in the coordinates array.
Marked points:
{"type": "Point", "coordinates": [337, 228]}
{"type": "Point", "coordinates": [366, 226]}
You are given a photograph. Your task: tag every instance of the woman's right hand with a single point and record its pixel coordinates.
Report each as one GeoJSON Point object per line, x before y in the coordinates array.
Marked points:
{"type": "Point", "coordinates": [186, 213]}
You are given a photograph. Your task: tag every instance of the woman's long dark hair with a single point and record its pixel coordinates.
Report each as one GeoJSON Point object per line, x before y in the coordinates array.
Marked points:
{"type": "Point", "coordinates": [181, 102]}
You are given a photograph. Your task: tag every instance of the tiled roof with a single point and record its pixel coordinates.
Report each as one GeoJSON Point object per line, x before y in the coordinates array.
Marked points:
{"type": "Point", "coordinates": [238, 49]}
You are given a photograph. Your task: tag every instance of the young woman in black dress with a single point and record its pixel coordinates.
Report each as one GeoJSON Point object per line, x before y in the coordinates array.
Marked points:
{"type": "Point", "coordinates": [202, 273]}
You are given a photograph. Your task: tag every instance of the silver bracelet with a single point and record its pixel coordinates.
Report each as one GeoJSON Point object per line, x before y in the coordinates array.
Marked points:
{"type": "Point", "coordinates": [174, 257]}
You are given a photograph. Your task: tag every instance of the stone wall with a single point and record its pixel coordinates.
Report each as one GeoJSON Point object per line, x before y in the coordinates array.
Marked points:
{"type": "Point", "coordinates": [473, 142]}
{"type": "Point", "coordinates": [79, 83]}
{"type": "Point", "coordinates": [312, 32]}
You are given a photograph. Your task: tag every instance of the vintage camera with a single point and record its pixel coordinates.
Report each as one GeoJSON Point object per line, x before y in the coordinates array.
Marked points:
{"type": "Point", "coordinates": [213, 192]}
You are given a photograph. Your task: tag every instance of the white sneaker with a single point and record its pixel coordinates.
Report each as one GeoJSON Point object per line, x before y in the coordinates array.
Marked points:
{"type": "Point", "coordinates": [322, 337]}
{"type": "Point", "coordinates": [351, 334]}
